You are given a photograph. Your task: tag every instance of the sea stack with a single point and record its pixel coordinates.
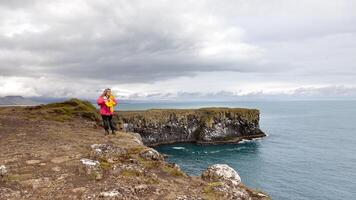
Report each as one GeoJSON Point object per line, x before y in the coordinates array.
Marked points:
{"type": "Point", "coordinates": [205, 125]}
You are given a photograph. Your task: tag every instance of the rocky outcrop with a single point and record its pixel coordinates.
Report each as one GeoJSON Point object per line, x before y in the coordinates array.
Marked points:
{"type": "Point", "coordinates": [107, 152]}
{"type": "Point", "coordinates": [224, 180]}
{"type": "Point", "coordinates": [91, 168]}
{"type": "Point", "coordinates": [151, 154]}
{"type": "Point", "coordinates": [222, 172]}
{"type": "Point", "coordinates": [3, 171]}
{"type": "Point", "coordinates": [206, 125]}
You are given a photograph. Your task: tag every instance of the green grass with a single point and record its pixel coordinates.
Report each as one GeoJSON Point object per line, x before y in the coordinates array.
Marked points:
{"type": "Point", "coordinates": [150, 180]}
{"type": "Point", "coordinates": [131, 173]}
{"type": "Point", "coordinates": [17, 177]}
{"type": "Point", "coordinates": [172, 171]}
{"type": "Point", "coordinates": [105, 165]}
{"type": "Point", "coordinates": [205, 115]}
{"type": "Point", "coordinates": [209, 191]}
{"type": "Point", "coordinates": [65, 111]}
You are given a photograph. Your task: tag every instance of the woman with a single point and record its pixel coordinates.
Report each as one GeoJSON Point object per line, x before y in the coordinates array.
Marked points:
{"type": "Point", "coordinates": [107, 101]}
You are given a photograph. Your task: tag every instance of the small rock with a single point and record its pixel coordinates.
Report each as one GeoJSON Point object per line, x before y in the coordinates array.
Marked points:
{"type": "Point", "coordinates": [100, 147]}
{"type": "Point", "coordinates": [113, 193]}
{"type": "Point", "coordinates": [151, 154]}
{"type": "Point", "coordinates": [176, 167]}
{"type": "Point", "coordinates": [185, 197]}
{"type": "Point", "coordinates": [261, 195]}
{"type": "Point", "coordinates": [56, 169]}
{"type": "Point", "coordinates": [61, 159]}
{"type": "Point", "coordinates": [13, 159]}
{"type": "Point", "coordinates": [62, 177]}
{"type": "Point", "coordinates": [32, 162]}
{"type": "Point", "coordinates": [140, 188]}
{"type": "Point", "coordinates": [223, 173]}
{"type": "Point", "coordinates": [92, 168]}
{"type": "Point", "coordinates": [79, 189]}
{"type": "Point", "coordinates": [3, 171]}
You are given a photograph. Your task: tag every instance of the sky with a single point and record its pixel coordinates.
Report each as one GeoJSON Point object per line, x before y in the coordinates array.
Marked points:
{"type": "Point", "coordinates": [179, 50]}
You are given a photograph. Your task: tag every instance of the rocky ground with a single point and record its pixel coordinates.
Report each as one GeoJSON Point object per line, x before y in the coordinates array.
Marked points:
{"type": "Point", "coordinates": [60, 152]}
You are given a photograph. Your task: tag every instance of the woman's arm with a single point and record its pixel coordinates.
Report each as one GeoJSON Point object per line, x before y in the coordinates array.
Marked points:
{"type": "Point", "coordinates": [100, 101]}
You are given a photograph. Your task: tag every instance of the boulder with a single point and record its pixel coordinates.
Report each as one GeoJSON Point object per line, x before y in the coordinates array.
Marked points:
{"type": "Point", "coordinates": [91, 168]}
{"type": "Point", "coordinates": [137, 138]}
{"type": "Point", "coordinates": [221, 173]}
{"type": "Point", "coordinates": [107, 152]}
{"type": "Point", "coordinates": [151, 154]}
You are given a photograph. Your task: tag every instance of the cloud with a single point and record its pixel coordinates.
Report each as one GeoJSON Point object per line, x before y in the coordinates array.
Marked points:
{"type": "Point", "coordinates": [308, 93]}
{"type": "Point", "coordinates": [164, 47]}
{"type": "Point", "coordinates": [129, 42]}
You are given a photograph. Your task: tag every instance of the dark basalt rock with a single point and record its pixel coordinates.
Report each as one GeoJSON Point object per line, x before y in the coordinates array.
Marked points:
{"type": "Point", "coordinates": [206, 125]}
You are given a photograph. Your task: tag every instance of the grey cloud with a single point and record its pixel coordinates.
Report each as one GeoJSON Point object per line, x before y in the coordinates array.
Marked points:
{"type": "Point", "coordinates": [130, 47]}
{"type": "Point", "coordinates": [304, 93]}
{"type": "Point", "coordinates": [15, 4]}
{"type": "Point", "coordinates": [128, 42]}
{"type": "Point", "coordinates": [332, 91]}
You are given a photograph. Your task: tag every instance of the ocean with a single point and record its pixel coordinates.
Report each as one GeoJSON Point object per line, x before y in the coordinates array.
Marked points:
{"type": "Point", "coordinates": [309, 153]}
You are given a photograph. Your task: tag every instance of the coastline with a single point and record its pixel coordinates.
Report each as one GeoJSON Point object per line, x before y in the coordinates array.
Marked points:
{"type": "Point", "coordinates": [85, 164]}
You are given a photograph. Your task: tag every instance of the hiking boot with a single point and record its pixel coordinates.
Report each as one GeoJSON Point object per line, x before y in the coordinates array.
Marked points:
{"type": "Point", "coordinates": [113, 132]}
{"type": "Point", "coordinates": [107, 132]}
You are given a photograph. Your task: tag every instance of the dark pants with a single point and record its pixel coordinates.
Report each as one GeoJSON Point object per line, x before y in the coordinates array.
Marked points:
{"type": "Point", "coordinates": [108, 124]}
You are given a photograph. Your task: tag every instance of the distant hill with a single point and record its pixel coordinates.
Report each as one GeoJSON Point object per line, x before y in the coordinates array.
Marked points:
{"type": "Point", "coordinates": [17, 100]}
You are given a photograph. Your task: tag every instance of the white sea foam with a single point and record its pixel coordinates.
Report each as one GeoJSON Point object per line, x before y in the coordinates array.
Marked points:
{"type": "Point", "coordinates": [215, 151]}
{"type": "Point", "coordinates": [249, 140]}
{"type": "Point", "coordinates": [178, 148]}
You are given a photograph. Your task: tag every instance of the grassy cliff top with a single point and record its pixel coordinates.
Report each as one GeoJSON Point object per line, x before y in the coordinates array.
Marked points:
{"type": "Point", "coordinates": [162, 115]}
{"type": "Point", "coordinates": [65, 111]}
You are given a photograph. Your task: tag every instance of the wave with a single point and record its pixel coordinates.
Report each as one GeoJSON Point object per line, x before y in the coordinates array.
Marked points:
{"type": "Point", "coordinates": [178, 148]}
{"type": "Point", "coordinates": [249, 140]}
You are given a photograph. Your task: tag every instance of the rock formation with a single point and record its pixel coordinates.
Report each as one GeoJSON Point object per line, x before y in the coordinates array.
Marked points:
{"type": "Point", "coordinates": [222, 172]}
{"type": "Point", "coordinates": [206, 125]}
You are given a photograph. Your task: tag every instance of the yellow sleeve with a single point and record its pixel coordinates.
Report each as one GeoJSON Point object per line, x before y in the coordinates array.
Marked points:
{"type": "Point", "coordinates": [113, 102]}
{"type": "Point", "coordinates": [109, 103]}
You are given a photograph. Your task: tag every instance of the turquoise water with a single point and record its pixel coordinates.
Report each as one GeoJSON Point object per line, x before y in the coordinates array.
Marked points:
{"type": "Point", "coordinates": [310, 151]}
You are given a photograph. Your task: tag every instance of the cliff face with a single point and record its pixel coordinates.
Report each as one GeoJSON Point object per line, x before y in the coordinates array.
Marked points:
{"type": "Point", "coordinates": [206, 125]}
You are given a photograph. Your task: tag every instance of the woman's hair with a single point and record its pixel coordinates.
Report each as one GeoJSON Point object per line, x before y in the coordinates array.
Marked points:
{"type": "Point", "coordinates": [105, 91]}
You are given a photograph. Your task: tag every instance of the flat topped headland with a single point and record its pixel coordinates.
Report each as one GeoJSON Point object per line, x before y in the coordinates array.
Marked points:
{"type": "Point", "coordinates": [59, 151]}
{"type": "Point", "coordinates": [205, 125]}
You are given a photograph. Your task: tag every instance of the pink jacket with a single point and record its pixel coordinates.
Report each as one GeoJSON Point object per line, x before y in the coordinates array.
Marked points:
{"type": "Point", "coordinates": [104, 110]}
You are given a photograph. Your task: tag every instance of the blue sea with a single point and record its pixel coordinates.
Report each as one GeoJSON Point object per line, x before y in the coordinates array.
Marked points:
{"type": "Point", "coordinates": [309, 153]}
